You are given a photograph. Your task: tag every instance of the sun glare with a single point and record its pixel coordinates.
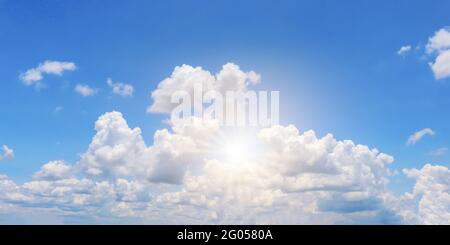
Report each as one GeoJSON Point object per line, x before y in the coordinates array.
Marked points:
{"type": "Point", "coordinates": [236, 152]}
{"type": "Point", "coordinates": [237, 148]}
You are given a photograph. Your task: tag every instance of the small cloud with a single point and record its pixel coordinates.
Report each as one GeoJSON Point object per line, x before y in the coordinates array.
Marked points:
{"type": "Point", "coordinates": [418, 47]}
{"type": "Point", "coordinates": [53, 170]}
{"type": "Point", "coordinates": [34, 75]}
{"type": "Point", "coordinates": [85, 90]}
{"type": "Point", "coordinates": [441, 66]}
{"type": "Point", "coordinates": [58, 109]}
{"type": "Point", "coordinates": [414, 138]}
{"type": "Point", "coordinates": [7, 153]}
{"type": "Point", "coordinates": [122, 89]}
{"type": "Point", "coordinates": [438, 152]}
{"type": "Point", "coordinates": [403, 50]}
{"type": "Point", "coordinates": [440, 44]}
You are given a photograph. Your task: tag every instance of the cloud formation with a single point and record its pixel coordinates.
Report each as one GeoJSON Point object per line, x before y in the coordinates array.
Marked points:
{"type": "Point", "coordinates": [117, 150]}
{"type": "Point", "coordinates": [85, 91]}
{"type": "Point", "coordinates": [404, 50]}
{"type": "Point", "coordinates": [122, 89]}
{"type": "Point", "coordinates": [294, 171]}
{"type": "Point", "coordinates": [53, 170]}
{"type": "Point", "coordinates": [185, 176]}
{"type": "Point", "coordinates": [439, 44]}
{"type": "Point", "coordinates": [417, 136]}
{"type": "Point", "coordinates": [296, 178]}
{"type": "Point", "coordinates": [431, 194]}
{"type": "Point", "coordinates": [230, 78]}
{"type": "Point", "coordinates": [438, 152]}
{"type": "Point", "coordinates": [441, 66]}
{"type": "Point", "coordinates": [34, 75]}
{"type": "Point", "coordinates": [6, 153]}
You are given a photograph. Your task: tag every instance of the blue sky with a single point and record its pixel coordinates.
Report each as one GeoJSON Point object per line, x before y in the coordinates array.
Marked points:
{"type": "Point", "coordinates": [334, 62]}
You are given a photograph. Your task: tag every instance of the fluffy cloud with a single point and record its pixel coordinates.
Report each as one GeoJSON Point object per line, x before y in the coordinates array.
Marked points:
{"type": "Point", "coordinates": [440, 44]}
{"type": "Point", "coordinates": [122, 89]}
{"type": "Point", "coordinates": [298, 179]}
{"type": "Point", "coordinates": [404, 50]}
{"type": "Point", "coordinates": [186, 175]}
{"type": "Point", "coordinates": [309, 163]}
{"type": "Point", "coordinates": [294, 178]}
{"type": "Point", "coordinates": [172, 154]}
{"type": "Point", "coordinates": [116, 150]}
{"type": "Point", "coordinates": [441, 66]}
{"type": "Point", "coordinates": [34, 75]}
{"type": "Point", "coordinates": [8, 153]}
{"type": "Point", "coordinates": [120, 151]}
{"type": "Point", "coordinates": [53, 170]}
{"type": "Point", "coordinates": [414, 138]}
{"type": "Point", "coordinates": [10, 191]}
{"type": "Point", "coordinates": [293, 172]}
{"type": "Point", "coordinates": [85, 90]}
{"type": "Point", "coordinates": [183, 78]}
{"type": "Point", "coordinates": [431, 194]}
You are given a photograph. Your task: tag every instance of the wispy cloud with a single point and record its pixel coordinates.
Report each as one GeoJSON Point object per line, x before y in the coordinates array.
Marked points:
{"type": "Point", "coordinates": [34, 75]}
{"type": "Point", "coordinates": [58, 109]}
{"type": "Point", "coordinates": [6, 153]}
{"type": "Point", "coordinates": [417, 136]}
{"type": "Point", "coordinates": [438, 152]}
{"type": "Point", "coordinates": [404, 50]}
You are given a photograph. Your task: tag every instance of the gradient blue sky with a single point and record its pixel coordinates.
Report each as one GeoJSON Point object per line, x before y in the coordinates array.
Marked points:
{"type": "Point", "coordinates": [334, 62]}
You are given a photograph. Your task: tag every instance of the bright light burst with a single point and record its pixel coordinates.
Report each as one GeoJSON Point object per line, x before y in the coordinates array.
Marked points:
{"type": "Point", "coordinates": [237, 146]}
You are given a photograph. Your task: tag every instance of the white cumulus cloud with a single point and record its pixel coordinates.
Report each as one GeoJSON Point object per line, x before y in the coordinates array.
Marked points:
{"type": "Point", "coordinates": [440, 44]}
{"type": "Point", "coordinates": [431, 194]}
{"type": "Point", "coordinates": [122, 89]}
{"type": "Point", "coordinates": [85, 90]}
{"type": "Point", "coordinates": [36, 74]}
{"type": "Point", "coordinates": [230, 78]}
{"type": "Point", "coordinates": [296, 178]}
{"type": "Point", "coordinates": [186, 175]}
{"type": "Point", "coordinates": [120, 151]}
{"type": "Point", "coordinates": [53, 170]}
{"type": "Point", "coordinates": [441, 66]}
